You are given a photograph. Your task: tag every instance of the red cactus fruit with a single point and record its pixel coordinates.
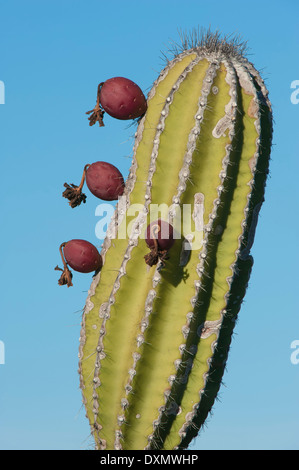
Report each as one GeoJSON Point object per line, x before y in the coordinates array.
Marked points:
{"type": "Point", "coordinates": [80, 255]}
{"type": "Point", "coordinates": [104, 181]}
{"type": "Point", "coordinates": [121, 98]}
{"type": "Point", "coordinates": [159, 237]}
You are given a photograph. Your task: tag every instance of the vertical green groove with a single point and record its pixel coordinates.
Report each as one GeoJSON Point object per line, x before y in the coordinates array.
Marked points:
{"type": "Point", "coordinates": [154, 342]}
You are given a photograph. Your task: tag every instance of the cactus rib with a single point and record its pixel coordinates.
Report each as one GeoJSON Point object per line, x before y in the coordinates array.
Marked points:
{"type": "Point", "coordinates": [155, 340]}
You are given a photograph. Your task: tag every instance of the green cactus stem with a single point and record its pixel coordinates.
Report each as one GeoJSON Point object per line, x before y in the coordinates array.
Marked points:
{"type": "Point", "coordinates": [155, 340]}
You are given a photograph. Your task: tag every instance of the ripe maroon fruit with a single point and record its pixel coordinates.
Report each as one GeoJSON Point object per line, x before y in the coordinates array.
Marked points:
{"type": "Point", "coordinates": [121, 98]}
{"type": "Point", "coordinates": [159, 238]}
{"type": "Point", "coordinates": [104, 181]}
{"type": "Point", "coordinates": [80, 255]}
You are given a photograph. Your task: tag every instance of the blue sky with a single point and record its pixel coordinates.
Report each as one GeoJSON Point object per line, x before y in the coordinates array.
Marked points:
{"type": "Point", "coordinates": [52, 56]}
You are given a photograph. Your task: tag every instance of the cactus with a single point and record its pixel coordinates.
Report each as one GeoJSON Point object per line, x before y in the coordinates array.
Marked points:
{"type": "Point", "coordinates": [155, 339]}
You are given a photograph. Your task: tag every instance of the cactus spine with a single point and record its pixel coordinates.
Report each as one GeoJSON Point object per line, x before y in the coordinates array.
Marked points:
{"type": "Point", "coordinates": [154, 342]}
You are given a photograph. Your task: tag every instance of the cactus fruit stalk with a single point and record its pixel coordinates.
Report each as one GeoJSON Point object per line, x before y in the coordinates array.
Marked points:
{"type": "Point", "coordinates": [155, 339]}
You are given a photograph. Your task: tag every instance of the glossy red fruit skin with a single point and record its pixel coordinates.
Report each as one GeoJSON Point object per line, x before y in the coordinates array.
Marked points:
{"type": "Point", "coordinates": [104, 181]}
{"type": "Point", "coordinates": [82, 256]}
{"type": "Point", "coordinates": [122, 99]}
{"type": "Point", "coordinates": [164, 237]}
